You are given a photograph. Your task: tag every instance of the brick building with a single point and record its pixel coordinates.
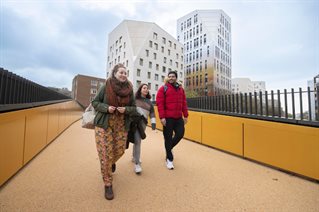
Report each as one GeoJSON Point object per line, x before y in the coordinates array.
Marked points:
{"type": "Point", "coordinates": [84, 88]}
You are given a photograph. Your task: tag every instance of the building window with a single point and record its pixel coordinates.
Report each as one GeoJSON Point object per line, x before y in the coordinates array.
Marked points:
{"type": "Point", "coordinates": [141, 61]}
{"type": "Point", "coordinates": [138, 72]}
{"type": "Point", "coordinates": [150, 65]}
{"type": "Point", "coordinates": [93, 83]}
{"type": "Point", "coordinates": [147, 52]}
{"type": "Point", "coordinates": [164, 69]}
{"type": "Point", "coordinates": [168, 52]}
{"type": "Point", "coordinates": [150, 44]}
{"type": "Point", "coordinates": [149, 85]}
{"type": "Point", "coordinates": [155, 36]}
{"type": "Point", "coordinates": [93, 90]}
{"type": "Point", "coordinates": [154, 56]}
{"type": "Point", "coordinates": [156, 87]}
{"type": "Point", "coordinates": [162, 49]}
{"type": "Point", "coordinates": [164, 40]}
{"type": "Point", "coordinates": [164, 59]}
{"type": "Point", "coordinates": [157, 67]}
{"type": "Point", "coordinates": [170, 43]}
{"type": "Point", "coordinates": [148, 75]}
{"type": "Point", "coordinates": [138, 83]}
{"type": "Point", "coordinates": [156, 46]}
{"type": "Point", "coordinates": [156, 77]}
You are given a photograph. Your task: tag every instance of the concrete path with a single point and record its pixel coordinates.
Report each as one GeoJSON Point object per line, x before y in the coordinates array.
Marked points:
{"type": "Point", "coordinates": [66, 177]}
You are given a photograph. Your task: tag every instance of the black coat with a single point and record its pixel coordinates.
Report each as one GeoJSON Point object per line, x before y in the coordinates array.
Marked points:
{"type": "Point", "coordinates": [136, 125]}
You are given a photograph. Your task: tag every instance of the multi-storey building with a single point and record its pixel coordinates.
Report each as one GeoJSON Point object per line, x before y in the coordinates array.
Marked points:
{"type": "Point", "coordinates": [259, 86]}
{"type": "Point", "coordinates": [84, 88]}
{"type": "Point", "coordinates": [245, 85]}
{"type": "Point", "coordinates": [147, 51]}
{"type": "Point", "coordinates": [206, 36]}
{"type": "Point", "coordinates": [314, 104]}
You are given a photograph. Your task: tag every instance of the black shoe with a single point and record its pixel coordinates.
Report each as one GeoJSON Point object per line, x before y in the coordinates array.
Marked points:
{"type": "Point", "coordinates": [113, 167]}
{"type": "Point", "coordinates": [109, 192]}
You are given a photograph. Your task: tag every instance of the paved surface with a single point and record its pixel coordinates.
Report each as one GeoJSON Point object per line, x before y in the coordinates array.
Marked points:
{"type": "Point", "coordinates": [66, 177]}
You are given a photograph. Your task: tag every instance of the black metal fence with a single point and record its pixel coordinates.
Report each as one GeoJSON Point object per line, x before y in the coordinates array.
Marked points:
{"type": "Point", "coordinates": [288, 106]}
{"type": "Point", "coordinates": [17, 90]}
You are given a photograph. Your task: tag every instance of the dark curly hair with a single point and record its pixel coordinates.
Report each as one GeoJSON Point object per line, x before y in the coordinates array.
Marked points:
{"type": "Point", "coordinates": [138, 92]}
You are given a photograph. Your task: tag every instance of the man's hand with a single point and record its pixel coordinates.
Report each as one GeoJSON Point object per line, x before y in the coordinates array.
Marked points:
{"type": "Point", "coordinates": [185, 120]}
{"type": "Point", "coordinates": [163, 121]}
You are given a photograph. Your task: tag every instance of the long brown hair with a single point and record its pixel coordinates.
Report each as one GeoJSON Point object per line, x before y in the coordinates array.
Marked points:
{"type": "Point", "coordinates": [116, 69]}
{"type": "Point", "coordinates": [138, 94]}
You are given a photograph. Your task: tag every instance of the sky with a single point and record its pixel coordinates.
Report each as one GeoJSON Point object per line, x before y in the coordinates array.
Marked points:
{"type": "Point", "coordinates": [51, 41]}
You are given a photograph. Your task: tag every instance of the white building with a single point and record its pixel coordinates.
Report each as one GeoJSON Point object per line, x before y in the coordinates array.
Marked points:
{"type": "Point", "coordinates": [314, 106]}
{"type": "Point", "coordinates": [147, 51]}
{"type": "Point", "coordinates": [259, 86]}
{"type": "Point", "coordinates": [206, 36]}
{"type": "Point", "coordinates": [245, 85]}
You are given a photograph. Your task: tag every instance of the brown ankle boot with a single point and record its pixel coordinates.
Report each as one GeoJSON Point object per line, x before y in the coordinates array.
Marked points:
{"type": "Point", "coordinates": [109, 192]}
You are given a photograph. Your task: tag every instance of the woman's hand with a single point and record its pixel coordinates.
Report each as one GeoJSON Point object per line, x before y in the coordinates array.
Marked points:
{"type": "Point", "coordinates": [121, 109]}
{"type": "Point", "coordinates": [111, 109]}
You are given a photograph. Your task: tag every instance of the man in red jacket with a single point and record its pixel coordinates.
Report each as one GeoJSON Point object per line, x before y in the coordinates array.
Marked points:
{"type": "Point", "coordinates": [172, 107]}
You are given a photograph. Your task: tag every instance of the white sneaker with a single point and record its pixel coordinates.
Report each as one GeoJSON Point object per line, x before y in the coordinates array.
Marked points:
{"type": "Point", "coordinates": [138, 168]}
{"type": "Point", "coordinates": [169, 164]}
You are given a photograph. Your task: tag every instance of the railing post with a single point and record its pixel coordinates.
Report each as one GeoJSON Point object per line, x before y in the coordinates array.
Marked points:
{"type": "Point", "coordinates": [293, 103]}
{"type": "Point", "coordinates": [279, 105]}
{"type": "Point", "coordinates": [309, 105]}
{"type": "Point", "coordinates": [250, 103]}
{"type": "Point", "coordinates": [255, 101]}
{"type": "Point", "coordinates": [286, 107]}
{"type": "Point", "coordinates": [300, 100]}
{"type": "Point", "coordinates": [261, 102]}
{"type": "Point", "coordinates": [272, 104]}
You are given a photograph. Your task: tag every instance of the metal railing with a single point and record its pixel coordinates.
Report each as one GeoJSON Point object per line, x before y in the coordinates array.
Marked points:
{"type": "Point", "coordinates": [17, 92]}
{"type": "Point", "coordinates": [299, 107]}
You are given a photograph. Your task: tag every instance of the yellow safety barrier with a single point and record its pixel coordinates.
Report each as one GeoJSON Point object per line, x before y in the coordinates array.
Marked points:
{"type": "Point", "coordinates": [25, 133]}
{"type": "Point", "coordinates": [293, 148]}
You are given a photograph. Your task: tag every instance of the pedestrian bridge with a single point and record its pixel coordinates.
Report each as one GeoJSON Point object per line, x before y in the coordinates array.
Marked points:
{"type": "Point", "coordinates": [49, 163]}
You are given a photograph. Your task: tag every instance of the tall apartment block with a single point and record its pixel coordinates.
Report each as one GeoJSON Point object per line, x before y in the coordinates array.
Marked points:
{"type": "Point", "coordinates": [147, 51]}
{"type": "Point", "coordinates": [84, 88]}
{"type": "Point", "coordinates": [206, 36]}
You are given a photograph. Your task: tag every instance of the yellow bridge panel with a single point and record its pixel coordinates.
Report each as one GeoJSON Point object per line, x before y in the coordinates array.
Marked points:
{"type": "Point", "coordinates": [286, 146]}
{"type": "Point", "coordinates": [223, 132]}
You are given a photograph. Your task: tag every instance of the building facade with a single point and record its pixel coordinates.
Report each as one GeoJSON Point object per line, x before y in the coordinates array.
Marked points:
{"type": "Point", "coordinates": [147, 51]}
{"type": "Point", "coordinates": [245, 85]}
{"type": "Point", "coordinates": [206, 36]}
{"type": "Point", "coordinates": [314, 104]}
{"type": "Point", "coordinates": [84, 88]}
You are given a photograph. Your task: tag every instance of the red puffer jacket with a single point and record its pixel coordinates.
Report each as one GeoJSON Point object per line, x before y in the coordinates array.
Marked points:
{"type": "Point", "coordinates": [172, 103]}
